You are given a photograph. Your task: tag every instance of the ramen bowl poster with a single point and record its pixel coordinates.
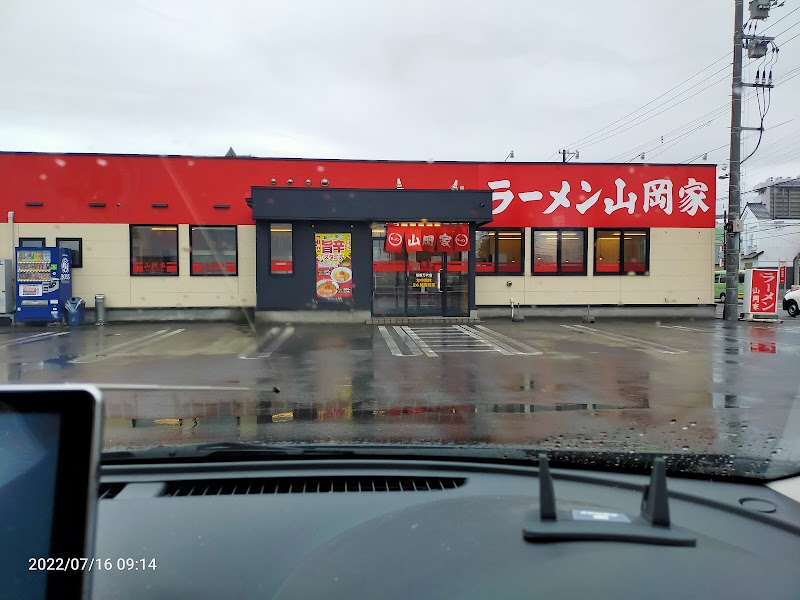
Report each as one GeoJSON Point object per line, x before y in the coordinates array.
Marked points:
{"type": "Point", "coordinates": [334, 266]}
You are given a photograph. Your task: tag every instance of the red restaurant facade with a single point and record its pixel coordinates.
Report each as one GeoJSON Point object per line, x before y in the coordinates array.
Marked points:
{"type": "Point", "coordinates": [355, 240]}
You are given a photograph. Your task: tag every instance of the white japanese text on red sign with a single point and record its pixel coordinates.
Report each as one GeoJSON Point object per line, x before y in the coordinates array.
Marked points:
{"type": "Point", "coordinates": [657, 194]}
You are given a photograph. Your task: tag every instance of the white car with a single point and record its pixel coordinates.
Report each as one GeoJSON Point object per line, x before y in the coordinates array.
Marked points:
{"type": "Point", "coordinates": [791, 303]}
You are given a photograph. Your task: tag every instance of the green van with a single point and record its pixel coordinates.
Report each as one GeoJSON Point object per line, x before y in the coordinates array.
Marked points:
{"type": "Point", "coordinates": [719, 285]}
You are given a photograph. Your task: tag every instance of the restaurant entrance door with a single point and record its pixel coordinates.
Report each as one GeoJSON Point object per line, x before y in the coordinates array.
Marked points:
{"type": "Point", "coordinates": [418, 284]}
{"type": "Point", "coordinates": [436, 284]}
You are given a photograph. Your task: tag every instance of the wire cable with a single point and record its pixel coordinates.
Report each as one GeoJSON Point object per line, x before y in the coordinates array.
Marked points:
{"type": "Point", "coordinates": [621, 119]}
{"type": "Point", "coordinates": [781, 19]}
{"type": "Point", "coordinates": [610, 126]}
{"type": "Point", "coordinates": [629, 127]}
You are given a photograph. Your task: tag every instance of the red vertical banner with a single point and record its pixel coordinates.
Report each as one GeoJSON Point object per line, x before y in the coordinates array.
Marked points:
{"type": "Point", "coordinates": [394, 239]}
{"type": "Point", "coordinates": [428, 238]}
{"type": "Point", "coordinates": [782, 273]}
{"type": "Point", "coordinates": [444, 239]}
{"type": "Point", "coordinates": [413, 239]}
{"type": "Point", "coordinates": [461, 237]}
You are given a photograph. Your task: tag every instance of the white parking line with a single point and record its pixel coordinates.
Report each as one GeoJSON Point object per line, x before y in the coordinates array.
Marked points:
{"type": "Point", "coordinates": [626, 338]}
{"type": "Point", "coordinates": [415, 350]}
{"type": "Point", "coordinates": [490, 333]}
{"type": "Point", "coordinates": [261, 342]}
{"type": "Point", "coordinates": [33, 338]}
{"type": "Point", "coordinates": [140, 387]}
{"type": "Point", "coordinates": [390, 341]}
{"type": "Point", "coordinates": [127, 346]}
{"type": "Point", "coordinates": [498, 347]}
{"type": "Point", "coordinates": [727, 334]}
{"type": "Point", "coordinates": [687, 328]}
{"type": "Point", "coordinates": [418, 341]}
{"type": "Point", "coordinates": [453, 338]}
{"type": "Point", "coordinates": [284, 335]}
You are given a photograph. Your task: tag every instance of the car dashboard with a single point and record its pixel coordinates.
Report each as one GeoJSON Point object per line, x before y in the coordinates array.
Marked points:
{"type": "Point", "coordinates": [387, 528]}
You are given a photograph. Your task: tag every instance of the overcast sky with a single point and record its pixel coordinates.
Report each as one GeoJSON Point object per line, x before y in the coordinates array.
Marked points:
{"type": "Point", "coordinates": [408, 79]}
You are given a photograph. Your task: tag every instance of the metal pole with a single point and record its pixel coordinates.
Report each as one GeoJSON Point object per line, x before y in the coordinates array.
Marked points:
{"type": "Point", "coordinates": [731, 310]}
{"type": "Point", "coordinates": [563, 156]}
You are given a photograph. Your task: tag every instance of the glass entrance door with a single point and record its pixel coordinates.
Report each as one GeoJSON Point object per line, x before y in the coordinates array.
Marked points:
{"type": "Point", "coordinates": [418, 284]}
{"type": "Point", "coordinates": [456, 280]}
{"type": "Point", "coordinates": [424, 284]}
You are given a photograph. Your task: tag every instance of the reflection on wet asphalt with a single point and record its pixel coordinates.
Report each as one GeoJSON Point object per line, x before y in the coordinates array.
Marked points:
{"type": "Point", "coordinates": [701, 386]}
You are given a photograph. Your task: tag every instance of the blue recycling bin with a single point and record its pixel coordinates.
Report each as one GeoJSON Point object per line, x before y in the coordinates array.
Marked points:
{"type": "Point", "coordinates": [76, 311]}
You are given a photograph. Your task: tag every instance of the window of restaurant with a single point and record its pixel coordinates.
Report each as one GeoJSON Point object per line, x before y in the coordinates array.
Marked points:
{"type": "Point", "coordinates": [154, 250]}
{"type": "Point", "coordinates": [213, 250]}
{"type": "Point", "coordinates": [280, 247]}
{"type": "Point", "coordinates": [420, 269]}
{"type": "Point", "coordinates": [499, 251]}
{"type": "Point", "coordinates": [622, 251]}
{"type": "Point", "coordinates": [76, 246]}
{"type": "Point", "coordinates": [32, 242]}
{"type": "Point", "coordinates": [559, 251]}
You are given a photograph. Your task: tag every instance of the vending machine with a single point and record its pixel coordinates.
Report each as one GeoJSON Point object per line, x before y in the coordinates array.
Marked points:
{"type": "Point", "coordinates": [44, 283]}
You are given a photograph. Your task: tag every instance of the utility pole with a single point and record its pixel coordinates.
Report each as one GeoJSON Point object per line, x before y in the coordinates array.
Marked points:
{"type": "Point", "coordinates": [757, 46]}
{"type": "Point", "coordinates": [731, 309]}
{"type": "Point", "coordinates": [565, 153]}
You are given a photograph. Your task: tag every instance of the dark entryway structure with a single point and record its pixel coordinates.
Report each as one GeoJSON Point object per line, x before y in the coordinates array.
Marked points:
{"type": "Point", "coordinates": [290, 224]}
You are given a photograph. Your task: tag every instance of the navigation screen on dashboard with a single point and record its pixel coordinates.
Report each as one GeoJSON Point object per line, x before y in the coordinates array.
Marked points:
{"type": "Point", "coordinates": [28, 469]}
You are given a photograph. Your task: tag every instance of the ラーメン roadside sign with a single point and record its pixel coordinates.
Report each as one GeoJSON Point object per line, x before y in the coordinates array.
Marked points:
{"type": "Point", "coordinates": [761, 291]}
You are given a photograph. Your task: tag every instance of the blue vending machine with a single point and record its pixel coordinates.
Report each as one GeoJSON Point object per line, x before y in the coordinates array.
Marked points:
{"type": "Point", "coordinates": [44, 283]}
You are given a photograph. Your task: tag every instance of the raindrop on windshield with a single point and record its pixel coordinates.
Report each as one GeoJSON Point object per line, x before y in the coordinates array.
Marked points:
{"type": "Point", "coordinates": [771, 439]}
{"type": "Point", "coordinates": [673, 421]}
{"type": "Point", "coordinates": [685, 427]}
{"type": "Point", "coordinates": [692, 424]}
{"type": "Point", "coordinates": [685, 448]}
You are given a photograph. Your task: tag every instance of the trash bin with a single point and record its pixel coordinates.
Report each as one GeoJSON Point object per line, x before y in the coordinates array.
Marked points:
{"type": "Point", "coordinates": [99, 309]}
{"type": "Point", "coordinates": [76, 311]}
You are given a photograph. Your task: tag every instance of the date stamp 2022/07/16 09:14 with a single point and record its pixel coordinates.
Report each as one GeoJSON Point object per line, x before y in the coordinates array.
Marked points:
{"type": "Point", "coordinates": [92, 564]}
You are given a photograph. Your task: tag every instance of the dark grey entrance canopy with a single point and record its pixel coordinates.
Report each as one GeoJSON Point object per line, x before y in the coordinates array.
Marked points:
{"type": "Point", "coordinates": [299, 204]}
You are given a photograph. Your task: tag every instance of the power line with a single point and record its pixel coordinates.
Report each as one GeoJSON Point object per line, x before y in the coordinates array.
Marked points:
{"type": "Point", "coordinates": [680, 102]}
{"type": "Point", "coordinates": [779, 145]}
{"type": "Point", "coordinates": [777, 235]}
{"type": "Point", "coordinates": [755, 174]}
{"type": "Point", "coordinates": [705, 119]}
{"type": "Point", "coordinates": [781, 19]}
{"type": "Point", "coordinates": [648, 104]}
{"type": "Point", "coordinates": [618, 131]}
{"type": "Point", "coordinates": [607, 131]}
{"type": "Point", "coordinates": [677, 140]}
{"type": "Point", "coordinates": [794, 154]}
{"type": "Point", "coordinates": [785, 30]}
{"type": "Point", "coordinates": [725, 145]}
{"type": "Point", "coordinates": [784, 42]}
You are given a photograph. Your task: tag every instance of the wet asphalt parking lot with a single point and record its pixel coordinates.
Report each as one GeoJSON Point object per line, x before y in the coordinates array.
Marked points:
{"type": "Point", "coordinates": [700, 385]}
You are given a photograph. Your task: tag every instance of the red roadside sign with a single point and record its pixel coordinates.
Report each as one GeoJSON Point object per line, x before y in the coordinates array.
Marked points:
{"type": "Point", "coordinates": [764, 291]}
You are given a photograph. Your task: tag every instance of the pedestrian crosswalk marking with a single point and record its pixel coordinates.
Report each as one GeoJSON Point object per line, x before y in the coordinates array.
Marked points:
{"type": "Point", "coordinates": [431, 341]}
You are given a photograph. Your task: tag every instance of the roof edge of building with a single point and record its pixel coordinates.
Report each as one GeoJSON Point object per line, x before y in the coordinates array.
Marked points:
{"type": "Point", "coordinates": [349, 160]}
